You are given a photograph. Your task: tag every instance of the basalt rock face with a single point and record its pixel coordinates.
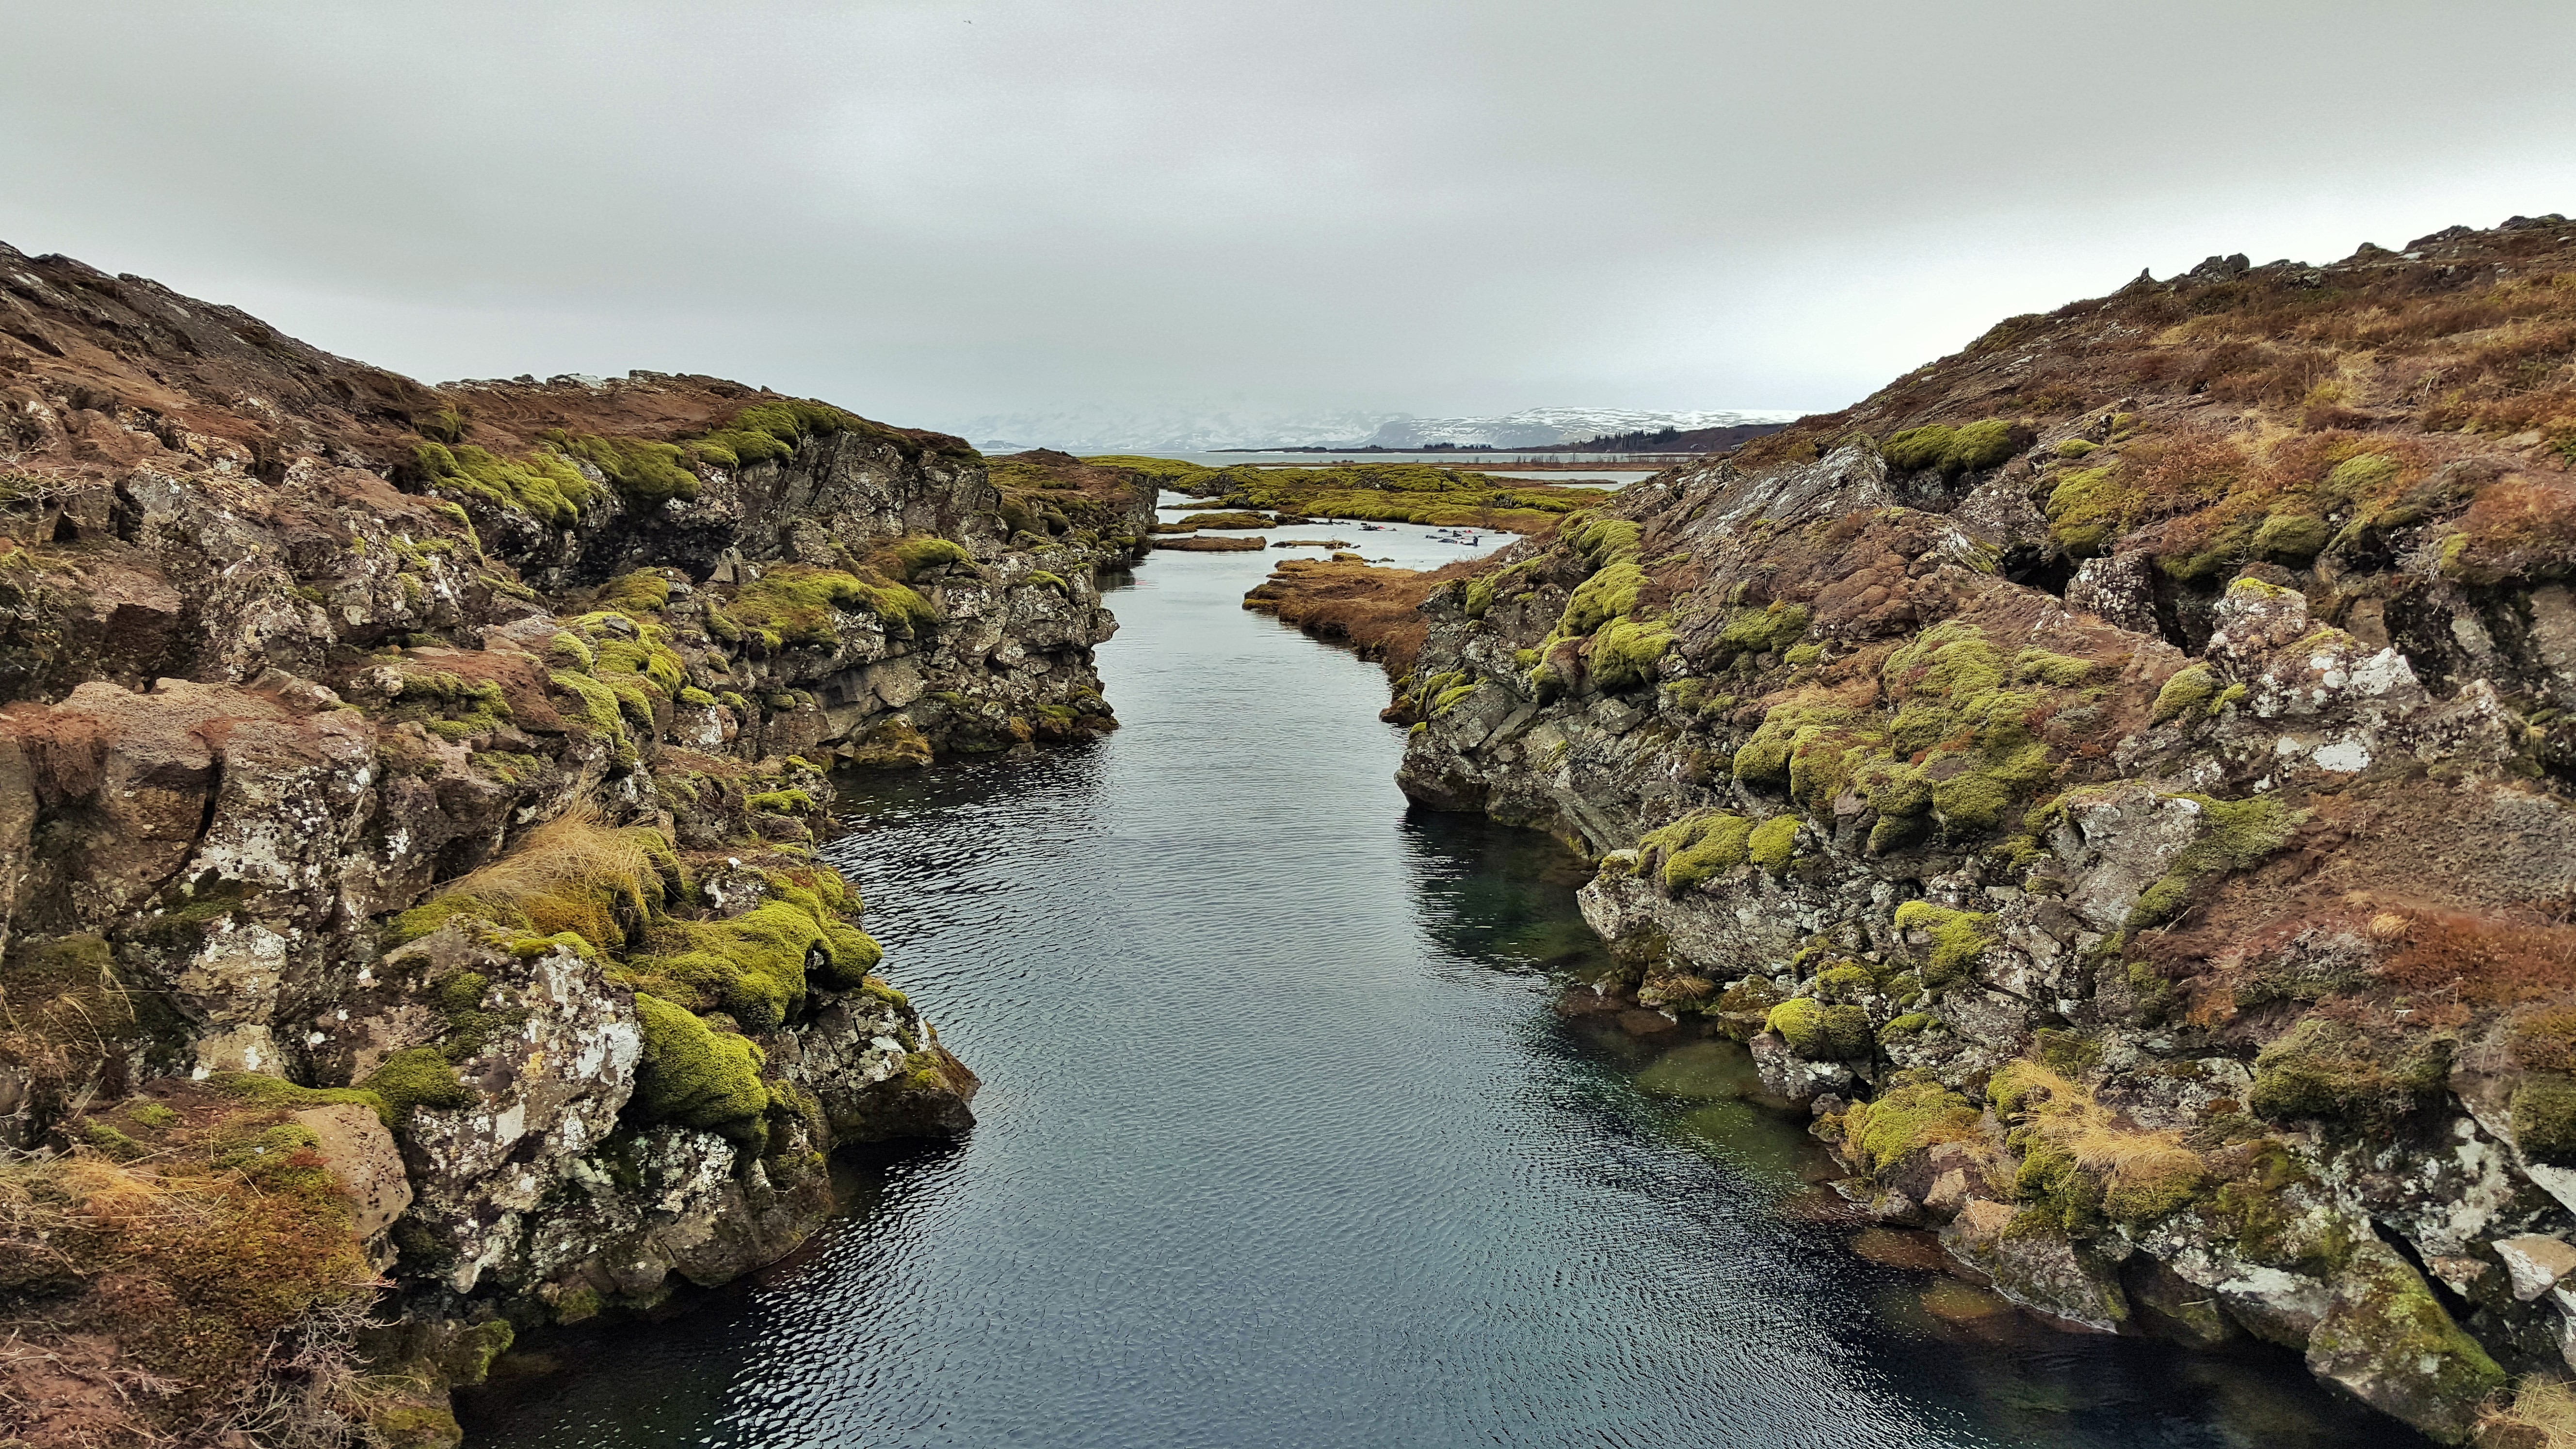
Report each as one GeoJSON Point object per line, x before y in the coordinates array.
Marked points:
{"type": "Point", "coordinates": [2118, 778]}
{"type": "Point", "coordinates": [446, 761]}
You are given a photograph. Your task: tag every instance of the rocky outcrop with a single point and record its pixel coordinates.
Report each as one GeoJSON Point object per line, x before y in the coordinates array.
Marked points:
{"type": "Point", "coordinates": [2118, 781]}
{"type": "Point", "coordinates": [427, 777]}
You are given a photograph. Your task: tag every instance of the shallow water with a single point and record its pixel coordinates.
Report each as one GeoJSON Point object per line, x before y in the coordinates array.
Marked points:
{"type": "Point", "coordinates": [1282, 1145]}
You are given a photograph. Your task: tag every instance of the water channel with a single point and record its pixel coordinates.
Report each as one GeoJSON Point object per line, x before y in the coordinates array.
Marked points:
{"type": "Point", "coordinates": [1282, 1145]}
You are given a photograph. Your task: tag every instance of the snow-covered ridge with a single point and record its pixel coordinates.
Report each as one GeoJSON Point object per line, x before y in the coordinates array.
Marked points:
{"type": "Point", "coordinates": [1106, 430]}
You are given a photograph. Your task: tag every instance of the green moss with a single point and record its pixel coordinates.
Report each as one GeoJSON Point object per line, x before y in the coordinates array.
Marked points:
{"type": "Point", "coordinates": [1603, 541]}
{"type": "Point", "coordinates": [1959, 938]}
{"type": "Point", "coordinates": [2078, 448]}
{"type": "Point", "coordinates": [754, 965]}
{"type": "Point", "coordinates": [793, 604]}
{"type": "Point", "coordinates": [1952, 450]}
{"type": "Point", "coordinates": [2544, 1118]}
{"type": "Point", "coordinates": [1625, 653]}
{"type": "Point", "coordinates": [2160, 902]}
{"type": "Point", "coordinates": [1820, 1032]}
{"type": "Point", "coordinates": [2054, 1186]}
{"type": "Point", "coordinates": [772, 430]}
{"type": "Point", "coordinates": [2235, 834]}
{"type": "Point", "coordinates": [1609, 594]}
{"type": "Point", "coordinates": [1769, 844]}
{"type": "Point", "coordinates": [1450, 698]}
{"type": "Point", "coordinates": [277, 1092]}
{"type": "Point", "coordinates": [639, 593]}
{"type": "Point", "coordinates": [918, 554]}
{"type": "Point", "coordinates": [596, 706]}
{"type": "Point", "coordinates": [567, 651]}
{"type": "Point", "coordinates": [1847, 982]}
{"type": "Point", "coordinates": [696, 698]}
{"type": "Point", "coordinates": [1698, 847]}
{"type": "Point", "coordinates": [691, 1076]}
{"type": "Point", "coordinates": [2326, 1069]}
{"type": "Point", "coordinates": [2086, 508]}
{"type": "Point", "coordinates": [649, 474]}
{"type": "Point", "coordinates": [782, 802]}
{"type": "Point", "coordinates": [2291, 538]}
{"type": "Point", "coordinates": [1769, 757]}
{"type": "Point", "coordinates": [450, 707]}
{"type": "Point", "coordinates": [2059, 671]}
{"type": "Point", "coordinates": [1908, 1024]}
{"type": "Point", "coordinates": [1767, 630]}
{"type": "Point", "coordinates": [1801, 655]}
{"type": "Point", "coordinates": [109, 1140]}
{"type": "Point", "coordinates": [2186, 693]}
{"type": "Point", "coordinates": [1052, 581]}
{"type": "Point", "coordinates": [1902, 1120]}
{"type": "Point", "coordinates": [544, 485]}
{"type": "Point", "coordinates": [419, 1077]}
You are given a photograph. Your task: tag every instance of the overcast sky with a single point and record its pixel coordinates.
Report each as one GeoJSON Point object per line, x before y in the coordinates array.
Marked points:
{"type": "Point", "coordinates": [930, 212]}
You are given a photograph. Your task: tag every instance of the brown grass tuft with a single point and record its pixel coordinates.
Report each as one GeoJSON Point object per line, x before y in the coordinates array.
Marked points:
{"type": "Point", "coordinates": [1374, 611]}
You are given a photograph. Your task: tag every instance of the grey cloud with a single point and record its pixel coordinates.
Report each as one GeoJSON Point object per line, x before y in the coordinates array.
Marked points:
{"type": "Point", "coordinates": [937, 211]}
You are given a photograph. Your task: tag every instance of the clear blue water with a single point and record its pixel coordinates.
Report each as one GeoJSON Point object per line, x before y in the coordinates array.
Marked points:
{"type": "Point", "coordinates": [1283, 1145]}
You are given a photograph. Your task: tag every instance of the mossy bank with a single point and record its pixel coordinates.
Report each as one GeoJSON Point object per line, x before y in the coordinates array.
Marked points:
{"type": "Point", "coordinates": [2117, 780]}
{"type": "Point", "coordinates": [407, 800]}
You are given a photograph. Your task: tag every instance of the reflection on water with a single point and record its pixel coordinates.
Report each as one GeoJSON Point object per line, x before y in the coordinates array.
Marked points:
{"type": "Point", "coordinates": [1282, 1145]}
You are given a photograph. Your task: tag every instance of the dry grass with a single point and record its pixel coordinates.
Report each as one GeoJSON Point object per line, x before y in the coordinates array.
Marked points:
{"type": "Point", "coordinates": [2544, 1403]}
{"type": "Point", "coordinates": [2485, 959]}
{"type": "Point", "coordinates": [570, 874]}
{"type": "Point", "coordinates": [193, 1277]}
{"type": "Point", "coordinates": [1375, 611]}
{"type": "Point", "coordinates": [2151, 1169]}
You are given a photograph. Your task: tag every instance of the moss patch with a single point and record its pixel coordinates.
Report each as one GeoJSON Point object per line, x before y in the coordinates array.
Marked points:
{"type": "Point", "coordinates": [1820, 1032]}
{"type": "Point", "coordinates": [694, 1077]}
{"type": "Point", "coordinates": [1904, 1119]}
{"type": "Point", "coordinates": [1959, 938]}
{"type": "Point", "coordinates": [1696, 848]}
{"type": "Point", "coordinates": [2325, 1068]}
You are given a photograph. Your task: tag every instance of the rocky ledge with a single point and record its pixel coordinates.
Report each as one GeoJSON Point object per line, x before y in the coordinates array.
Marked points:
{"type": "Point", "coordinates": [2117, 779]}
{"type": "Point", "coordinates": [412, 931]}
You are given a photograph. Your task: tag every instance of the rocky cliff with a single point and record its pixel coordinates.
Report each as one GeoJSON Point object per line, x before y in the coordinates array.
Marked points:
{"type": "Point", "coordinates": [406, 799]}
{"type": "Point", "coordinates": [2117, 778]}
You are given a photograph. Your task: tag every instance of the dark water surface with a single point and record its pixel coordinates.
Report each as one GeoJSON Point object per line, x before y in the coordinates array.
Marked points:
{"type": "Point", "coordinates": [1281, 1145]}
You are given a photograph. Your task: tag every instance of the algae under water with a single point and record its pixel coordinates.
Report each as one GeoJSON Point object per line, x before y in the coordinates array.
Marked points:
{"type": "Point", "coordinates": [1282, 1145]}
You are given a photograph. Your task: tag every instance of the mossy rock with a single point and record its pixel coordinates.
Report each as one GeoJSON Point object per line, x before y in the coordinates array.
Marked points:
{"type": "Point", "coordinates": [2291, 538]}
{"type": "Point", "coordinates": [1625, 654]}
{"type": "Point", "coordinates": [2387, 1341]}
{"type": "Point", "coordinates": [1959, 938]}
{"type": "Point", "coordinates": [1771, 843]}
{"type": "Point", "coordinates": [692, 1076]}
{"type": "Point", "coordinates": [2326, 1069]}
{"type": "Point", "coordinates": [1902, 1120]}
{"type": "Point", "coordinates": [2544, 1118]}
{"type": "Point", "coordinates": [1698, 848]}
{"type": "Point", "coordinates": [1820, 1032]}
{"type": "Point", "coordinates": [1744, 1008]}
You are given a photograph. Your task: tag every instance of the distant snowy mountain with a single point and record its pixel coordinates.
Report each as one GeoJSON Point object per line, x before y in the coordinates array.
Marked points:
{"type": "Point", "coordinates": [1166, 430]}
{"type": "Point", "coordinates": [1539, 427]}
{"type": "Point", "coordinates": [1186, 430]}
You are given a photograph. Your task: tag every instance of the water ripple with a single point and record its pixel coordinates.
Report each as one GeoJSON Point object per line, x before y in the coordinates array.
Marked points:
{"type": "Point", "coordinates": [1282, 1146]}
